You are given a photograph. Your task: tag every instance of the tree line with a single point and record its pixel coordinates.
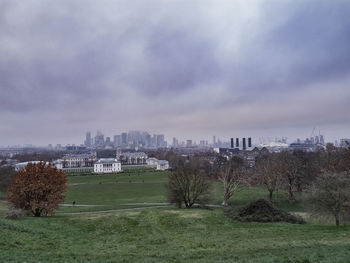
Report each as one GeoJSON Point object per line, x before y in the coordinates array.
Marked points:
{"type": "Point", "coordinates": [323, 177]}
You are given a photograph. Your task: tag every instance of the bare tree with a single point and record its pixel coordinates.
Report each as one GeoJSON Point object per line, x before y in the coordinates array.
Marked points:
{"type": "Point", "coordinates": [188, 184]}
{"type": "Point", "coordinates": [289, 167]}
{"type": "Point", "coordinates": [331, 193]}
{"type": "Point", "coordinates": [232, 175]}
{"type": "Point", "coordinates": [268, 173]}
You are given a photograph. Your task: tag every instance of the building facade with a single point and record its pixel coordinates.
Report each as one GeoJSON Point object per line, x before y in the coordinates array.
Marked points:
{"type": "Point", "coordinates": [107, 165]}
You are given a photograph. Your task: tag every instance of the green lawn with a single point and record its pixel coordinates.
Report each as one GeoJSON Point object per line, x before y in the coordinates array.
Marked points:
{"type": "Point", "coordinates": [115, 191]}
{"type": "Point", "coordinates": [162, 234]}
{"type": "Point", "coordinates": [168, 235]}
{"type": "Point", "coordinates": [134, 186]}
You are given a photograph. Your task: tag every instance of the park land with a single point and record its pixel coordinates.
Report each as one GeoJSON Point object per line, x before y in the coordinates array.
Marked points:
{"type": "Point", "coordinates": [123, 217]}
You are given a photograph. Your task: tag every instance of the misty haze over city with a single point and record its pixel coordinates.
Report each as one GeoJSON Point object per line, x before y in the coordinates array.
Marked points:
{"type": "Point", "coordinates": [186, 69]}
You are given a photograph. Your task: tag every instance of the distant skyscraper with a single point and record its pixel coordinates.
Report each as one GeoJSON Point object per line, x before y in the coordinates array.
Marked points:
{"type": "Point", "coordinates": [124, 138]}
{"type": "Point", "coordinates": [117, 140]}
{"type": "Point", "coordinates": [99, 139]}
{"type": "Point", "coordinates": [175, 142]}
{"type": "Point", "coordinates": [322, 140]}
{"type": "Point", "coordinates": [189, 143]}
{"type": "Point", "coordinates": [160, 140]}
{"type": "Point", "coordinates": [88, 139]}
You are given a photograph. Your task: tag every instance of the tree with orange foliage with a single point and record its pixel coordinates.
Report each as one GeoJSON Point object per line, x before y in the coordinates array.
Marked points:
{"type": "Point", "coordinates": [38, 188]}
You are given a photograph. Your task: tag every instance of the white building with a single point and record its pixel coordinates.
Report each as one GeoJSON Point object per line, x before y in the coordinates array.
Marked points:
{"type": "Point", "coordinates": [160, 165]}
{"type": "Point", "coordinates": [152, 161]}
{"type": "Point", "coordinates": [107, 165]}
{"type": "Point", "coordinates": [132, 158]}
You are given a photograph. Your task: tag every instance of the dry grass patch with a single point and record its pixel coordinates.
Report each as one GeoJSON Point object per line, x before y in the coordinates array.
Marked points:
{"type": "Point", "coordinates": [186, 213]}
{"type": "Point", "coordinates": [94, 216]}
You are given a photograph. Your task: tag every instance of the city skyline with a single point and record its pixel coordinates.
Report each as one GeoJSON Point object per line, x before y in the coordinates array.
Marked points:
{"type": "Point", "coordinates": [144, 139]}
{"type": "Point", "coordinates": [189, 70]}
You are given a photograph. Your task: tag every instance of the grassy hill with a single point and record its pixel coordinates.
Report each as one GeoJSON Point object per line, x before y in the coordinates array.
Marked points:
{"type": "Point", "coordinates": [161, 234]}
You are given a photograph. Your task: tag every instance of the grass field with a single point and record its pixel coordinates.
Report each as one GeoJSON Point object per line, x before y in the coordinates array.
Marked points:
{"type": "Point", "coordinates": [115, 191]}
{"type": "Point", "coordinates": [135, 186]}
{"type": "Point", "coordinates": [163, 234]}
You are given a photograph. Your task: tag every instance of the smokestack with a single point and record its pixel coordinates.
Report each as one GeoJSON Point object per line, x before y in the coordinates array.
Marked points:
{"type": "Point", "coordinates": [232, 146]}
{"type": "Point", "coordinates": [237, 143]}
{"type": "Point", "coordinates": [244, 144]}
{"type": "Point", "coordinates": [249, 142]}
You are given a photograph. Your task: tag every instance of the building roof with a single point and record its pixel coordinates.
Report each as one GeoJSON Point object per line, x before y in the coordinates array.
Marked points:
{"type": "Point", "coordinates": [107, 160]}
{"type": "Point", "coordinates": [134, 154]}
{"type": "Point", "coordinates": [83, 155]}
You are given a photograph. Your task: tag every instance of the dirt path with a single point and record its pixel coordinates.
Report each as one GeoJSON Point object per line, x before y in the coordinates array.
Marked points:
{"type": "Point", "coordinates": [112, 211]}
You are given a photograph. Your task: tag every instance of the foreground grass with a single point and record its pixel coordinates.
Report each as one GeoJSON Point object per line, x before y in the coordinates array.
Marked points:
{"type": "Point", "coordinates": [162, 234]}
{"type": "Point", "coordinates": [168, 235]}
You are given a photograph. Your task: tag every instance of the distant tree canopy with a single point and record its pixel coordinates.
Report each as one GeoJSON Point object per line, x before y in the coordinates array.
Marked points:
{"type": "Point", "coordinates": [37, 188]}
{"type": "Point", "coordinates": [6, 173]}
{"type": "Point", "coordinates": [189, 183]}
{"type": "Point", "coordinates": [42, 156]}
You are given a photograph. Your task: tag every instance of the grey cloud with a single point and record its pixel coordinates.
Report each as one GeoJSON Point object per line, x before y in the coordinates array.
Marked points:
{"type": "Point", "coordinates": [181, 61]}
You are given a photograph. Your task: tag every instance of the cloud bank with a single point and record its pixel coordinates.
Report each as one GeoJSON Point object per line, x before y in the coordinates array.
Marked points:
{"type": "Point", "coordinates": [185, 68]}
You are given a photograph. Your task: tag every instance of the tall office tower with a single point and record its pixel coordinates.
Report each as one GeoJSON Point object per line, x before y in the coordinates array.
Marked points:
{"type": "Point", "coordinates": [99, 139]}
{"type": "Point", "coordinates": [117, 140]}
{"type": "Point", "coordinates": [148, 140]}
{"type": "Point", "coordinates": [108, 140]}
{"type": "Point", "coordinates": [88, 139]}
{"type": "Point", "coordinates": [249, 142]}
{"type": "Point", "coordinates": [214, 141]}
{"type": "Point", "coordinates": [237, 142]}
{"type": "Point", "coordinates": [189, 143]}
{"type": "Point", "coordinates": [124, 138]}
{"type": "Point", "coordinates": [322, 140]}
{"type": "Point", "coordinates": [160, 140]}
{"type": "Point", "coordinates": [317, 139]}
{"type": "Point", "coordinates": [232, 143]}
{"type": "Point", "coordinates": [244, 146]}
{"type": "Point", "coordinates": [175, 142]}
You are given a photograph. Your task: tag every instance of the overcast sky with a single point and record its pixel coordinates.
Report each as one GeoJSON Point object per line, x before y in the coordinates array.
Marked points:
{"type": "Point", "coordinates": [190, 69]}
